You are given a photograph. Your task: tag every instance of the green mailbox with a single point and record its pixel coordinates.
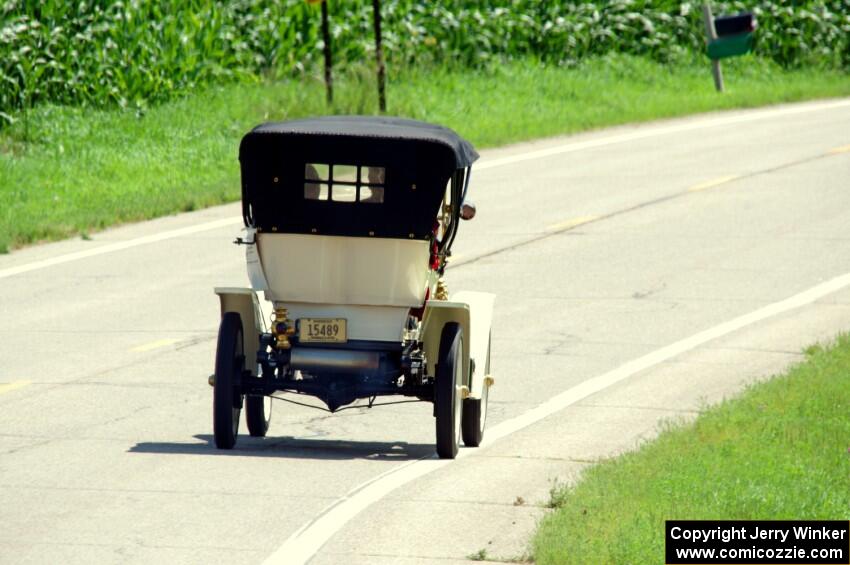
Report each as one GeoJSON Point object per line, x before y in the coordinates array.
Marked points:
{"type": "Point", "coordinates": [734, 36]}
{"type": "Point", "coordinates": [730, 46]}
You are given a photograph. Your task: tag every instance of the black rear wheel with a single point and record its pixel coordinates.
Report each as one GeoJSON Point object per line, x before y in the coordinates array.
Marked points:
{"type": "Point", "coordinates": [227, 394]}
{"type": "Point", "coordinates": [448, 382]}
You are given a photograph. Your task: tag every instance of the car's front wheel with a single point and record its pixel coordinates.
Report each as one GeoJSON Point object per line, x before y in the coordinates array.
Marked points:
{"type": "Point", "coordinates": [258, 414]}
{"type": "Point", "coordinates": [475, 409]}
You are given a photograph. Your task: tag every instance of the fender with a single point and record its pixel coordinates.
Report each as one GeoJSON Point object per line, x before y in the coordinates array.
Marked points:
{"type": "Point", "coordinates": [474, 312]}
{"type": "Point", "coordinates": [244, 301]}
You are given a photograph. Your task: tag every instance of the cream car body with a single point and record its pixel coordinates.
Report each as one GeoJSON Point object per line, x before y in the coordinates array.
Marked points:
{"type": "Point", "coordinates": [371, 288]}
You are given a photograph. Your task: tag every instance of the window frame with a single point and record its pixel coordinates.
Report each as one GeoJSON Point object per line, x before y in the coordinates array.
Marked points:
{"type": "Point", "coordinates": [330, 182]}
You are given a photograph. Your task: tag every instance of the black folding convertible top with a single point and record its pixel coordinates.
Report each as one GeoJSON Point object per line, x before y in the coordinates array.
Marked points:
{"type": "Point", "coordinates": [419, 160]}
{"type": "Point", "coordinates": [331, 128]}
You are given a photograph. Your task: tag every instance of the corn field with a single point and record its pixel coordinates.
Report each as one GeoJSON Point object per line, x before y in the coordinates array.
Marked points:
{"type": "Point", "coordinates": [133, 53]}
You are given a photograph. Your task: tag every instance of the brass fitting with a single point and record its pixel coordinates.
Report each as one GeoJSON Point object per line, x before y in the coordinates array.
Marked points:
{"type": "Point", "coordinates": [282, 328]}
{"type": "Point", "coordinates": [442, 292]}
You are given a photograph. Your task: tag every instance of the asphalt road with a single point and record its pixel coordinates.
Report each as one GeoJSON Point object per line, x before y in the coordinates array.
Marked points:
{"type": "Point", "coordinates": [641, 272]}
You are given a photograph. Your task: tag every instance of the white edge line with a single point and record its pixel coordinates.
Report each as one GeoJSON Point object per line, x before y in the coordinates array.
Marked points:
{"type": "Point", "coordinates": [308, 540]}
{"type": "Point", "coordinates": [650, 131]}
{"type": "Point", "coordinates": [653, 131]}
{"type": "Point", "coordinates": [117, 246]}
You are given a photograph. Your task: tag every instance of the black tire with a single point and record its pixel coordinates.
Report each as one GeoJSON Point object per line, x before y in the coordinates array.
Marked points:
{"type": "Point", "coordinates": [227, 395]}
{"type": "Point", "coordinates": [256, 415]}
{"type": "Point", "coordinates": [475, 410]}
{"type": "Point", "coordinates": [448, 380]}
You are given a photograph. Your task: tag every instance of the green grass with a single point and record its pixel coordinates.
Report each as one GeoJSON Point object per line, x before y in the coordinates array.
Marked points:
{"type": "Point", "coordinates": [74, 170]}
{"type": "Point", "coordinates": [779, 451]}
{"type": "Point", "coordinates": [112, 52]}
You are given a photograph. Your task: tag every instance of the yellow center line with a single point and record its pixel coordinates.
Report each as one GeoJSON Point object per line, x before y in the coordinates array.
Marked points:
{"type": "Point", "coordinates": [837, 150]}
{"type": "Point", "coordinates": [8, 387]}
{"type": "Point", "coordinates": [713, 182]}
{"type": "Point", "coordinates": [154, 345]}
{"type": "Point", "coordinates": [571, 223]}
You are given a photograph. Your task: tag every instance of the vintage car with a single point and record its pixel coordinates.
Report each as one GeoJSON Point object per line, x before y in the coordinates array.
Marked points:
{"type": "Point", "coordinates": [349, 224]}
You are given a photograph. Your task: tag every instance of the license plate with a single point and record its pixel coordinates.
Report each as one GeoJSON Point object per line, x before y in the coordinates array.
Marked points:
{"type": "Point", "coordinates": [322, 330]}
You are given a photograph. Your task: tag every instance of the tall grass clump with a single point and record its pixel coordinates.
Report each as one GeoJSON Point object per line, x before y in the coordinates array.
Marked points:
{"type": "Point", "coordinates": [130, 54]}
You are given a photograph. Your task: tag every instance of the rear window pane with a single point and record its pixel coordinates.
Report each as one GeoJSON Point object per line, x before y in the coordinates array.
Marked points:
{"type": "Point", "coordinates": [342, 193]}
{"type": "Point", "coordinates": [316, 191]}
{"type": "Point", "coordinates": [316, 171]}
{"type": "Point", "coordinates": [373, 175]}
{"type": "Point", "coordinates": [371, 194]}
{"type": "Point", "coordinates": [345, 173]}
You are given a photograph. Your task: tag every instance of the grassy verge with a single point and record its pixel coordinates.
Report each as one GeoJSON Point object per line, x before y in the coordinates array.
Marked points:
{"type": "Point", "coordinates": [73, 170]}
{"type": "Point", "coordinates": [779, 451]}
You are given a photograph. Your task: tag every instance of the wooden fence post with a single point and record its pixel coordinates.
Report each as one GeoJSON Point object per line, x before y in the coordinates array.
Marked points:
{"type": "Point", "coordinates": [379, 57]}
{"type": "Point", "coordinates": [326, 39]}
{"type": "Point", "coordinates": [711, 34]}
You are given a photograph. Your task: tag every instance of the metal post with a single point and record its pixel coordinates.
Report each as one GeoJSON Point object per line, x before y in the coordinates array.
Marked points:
{"type": "Point", "coordinates": [711, 34]}
{"type": "Point", "coordinates": [379, 57]}
{"type": "Point", "coordinates": [326, 39]}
